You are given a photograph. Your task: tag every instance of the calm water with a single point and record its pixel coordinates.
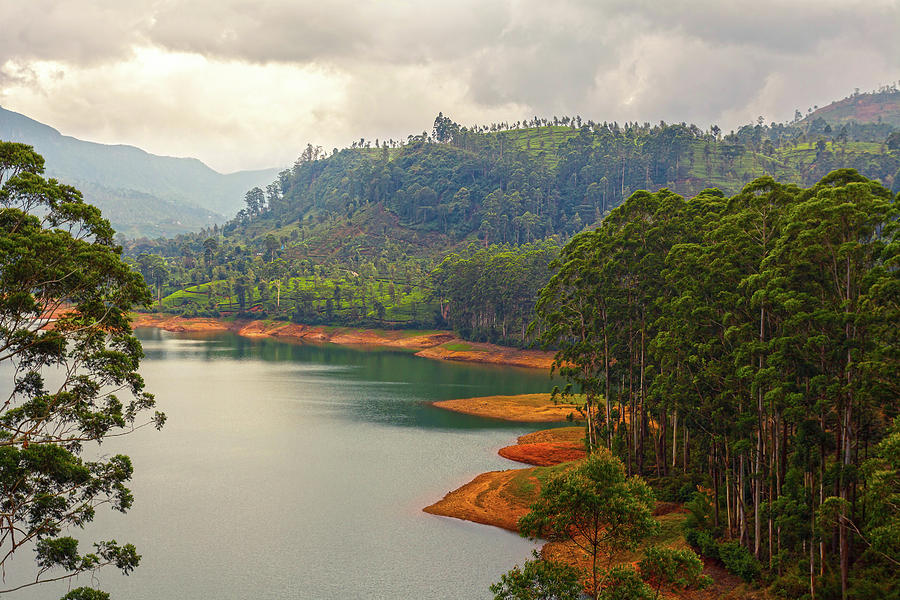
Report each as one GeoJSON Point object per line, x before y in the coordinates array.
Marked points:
{"type": "Point", "coordinates": [298, 471]}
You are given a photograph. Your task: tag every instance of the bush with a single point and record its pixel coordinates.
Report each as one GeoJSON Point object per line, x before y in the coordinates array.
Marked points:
{"type": "Point", "coordinates": [686, 492]}
{"type": "Point", "coordinates": [667, 566]}
{"type": "Point", "coordinates": [624, 583]}
{"type": "Point", "coordinates": [703, 542]}
{"type": "Point", "coordinates": [740, 561]}
{"type": "Point", "coordinates": [700, 510]}
{"type": "Point", "coordinates": [675, 488]}
{"type": "Point", "coordinates": [792, 584]}
{"type": "Point", "coordinates": [539, 579]}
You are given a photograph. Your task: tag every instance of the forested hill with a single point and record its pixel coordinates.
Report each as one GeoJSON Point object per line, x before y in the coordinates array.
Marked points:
{"type": "Point", "coordinates": [356, 236]}
{"type": "Point", "coordinates": [142, 194]}
{"type": "Point", "coordinates": [515, 183]}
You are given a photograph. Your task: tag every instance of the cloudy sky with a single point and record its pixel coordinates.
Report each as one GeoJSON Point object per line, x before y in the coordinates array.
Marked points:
{"type": "Point", "coordinates": [247, 83]}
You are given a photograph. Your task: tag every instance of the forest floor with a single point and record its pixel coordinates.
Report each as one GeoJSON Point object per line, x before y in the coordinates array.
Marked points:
{"type": "Point", "coordinates": [439, 345]}
{"type": "Point", "coordinates": [524, 408]}
{"type": "Point", "coordinates": [501, 498]}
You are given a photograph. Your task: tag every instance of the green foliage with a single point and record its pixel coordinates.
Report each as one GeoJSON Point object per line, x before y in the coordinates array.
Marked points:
{"type": "Point", "coordinates": [595, 506]}
{"type": "Point", "coordinates": [403, 207]}
{"type": "Point", "coordinates": [539, 579]}
{"type": "Point", "coordinates": [700, 511]}
{"type": "Point", "coordinates": [739, 560]}
{"type": "Point", "coordinates": [84, 593]}
{"type": "Point", "coordinates": [703, 541]}
{"type": "Point", "coordinates": [624, 583]}
{"type": "Point", "coordinates": [749, 345]}
{"type": "Point", "coordinates": [65, 294]}
{"type": "Point", "coordinates": [667, 566]}
{"type": "Point", "coordinates": [736, 558]}
{"type": "Point", "coordinates": [488, 294]}
{"type": "Point", "coordinates": [881, 528]}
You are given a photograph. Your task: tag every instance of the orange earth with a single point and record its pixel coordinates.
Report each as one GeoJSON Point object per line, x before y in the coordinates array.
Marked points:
{"type": "Point", "coordinates": [547, 447]}
{"type": "Point", "coordinates": [501, 498]}
{"type": "Point", "coordinates": [525, 408]}
{"type": "Point", "coordinates": [442, 345]}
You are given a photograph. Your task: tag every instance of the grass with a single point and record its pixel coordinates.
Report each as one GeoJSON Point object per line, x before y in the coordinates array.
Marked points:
{"type": "Point", "coordinates": [462, 347]}
{"type": "Point", "coordinates": [523, 488]}
{"type": "Point", "coordinates": [407, 304]}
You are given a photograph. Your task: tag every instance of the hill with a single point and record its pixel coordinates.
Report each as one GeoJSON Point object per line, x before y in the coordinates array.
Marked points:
{"type": "Point", "coordinates": [377, 235]}
{"type": "Point", "coordinates": [882, 107]}
{"type": "Point", "coordinates": [142, 194]}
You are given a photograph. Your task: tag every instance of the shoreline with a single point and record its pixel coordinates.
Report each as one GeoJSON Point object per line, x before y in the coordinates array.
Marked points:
{"type": "Point", "coordinates": [436, 345]}
{"type": "Point", "coordinates": [522, 408]}
{"type": "Point", "coordinates": [501, 498]}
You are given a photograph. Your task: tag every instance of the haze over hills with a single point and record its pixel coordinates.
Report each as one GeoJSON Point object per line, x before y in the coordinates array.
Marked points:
{"type": "Point", "coordinates": [142, 194]}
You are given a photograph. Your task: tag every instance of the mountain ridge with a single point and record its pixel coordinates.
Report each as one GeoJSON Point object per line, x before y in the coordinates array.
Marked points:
{"type": "Point", "coordinates": [143, 194]}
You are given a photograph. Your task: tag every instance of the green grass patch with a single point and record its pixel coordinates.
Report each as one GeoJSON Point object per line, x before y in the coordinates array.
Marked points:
{"type": "Point", "coordinates": [462, 347]}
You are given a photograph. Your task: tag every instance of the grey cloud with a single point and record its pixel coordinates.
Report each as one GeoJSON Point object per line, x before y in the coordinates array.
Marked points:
{"type": "Point", "coordinates": [392, 65]}
{"type": "Point", "coordinates": [75, 32]}
{"type": "Point", "coordinates": [334, 31]}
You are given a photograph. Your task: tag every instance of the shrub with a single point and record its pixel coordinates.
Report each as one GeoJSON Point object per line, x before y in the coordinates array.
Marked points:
{"type": "Point", "coordinates": [539, 579]}
{"type": "Point", "coordinates": [739, 560]}
{"type": "Point", "coordinates": [624, 583]}
{"type": "Point", "coordinates": [703, 542]}
{"type": "Point", "coordinates": [681, 568]}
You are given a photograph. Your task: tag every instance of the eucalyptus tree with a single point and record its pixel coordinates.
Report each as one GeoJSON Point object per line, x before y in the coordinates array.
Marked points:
{"type": "Point", "coordinates": [571, 310]}
{"type": "Point", "coordinates": [826, 265]}
{"type": "Point", "coordinates": [596, 507]}
{"type": "Point", "coordinates": [71, 362]}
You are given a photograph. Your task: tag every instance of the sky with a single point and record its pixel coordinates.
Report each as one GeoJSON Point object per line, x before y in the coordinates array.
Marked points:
{"type": "Point", "coordinates": [245, 84]}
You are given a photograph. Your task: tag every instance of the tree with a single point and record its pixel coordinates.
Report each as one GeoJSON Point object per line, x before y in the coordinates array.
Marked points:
{"type": "Point", "coordinates": [74, 380]}
{"type": "Point", "coordinates": [595, 506]}
{"type": "Point", "coordinates": [682, 568]}
{"type": "Point", "coordinates": [255, 200]}
{"type": "Point", "coordinates": [539, 579]}
{"type": "Point", "coordinates": [893, 141]}
{"type": "Point", "coordinates": [271, 244]}
{"type": "Point", "coordinates": [153, 268]}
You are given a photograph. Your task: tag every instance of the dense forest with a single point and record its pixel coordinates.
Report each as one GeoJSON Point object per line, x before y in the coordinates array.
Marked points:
{"type": "Point", "coordinates": [747, 347]}
{"type": "Point", "coordinates": [359, 236]}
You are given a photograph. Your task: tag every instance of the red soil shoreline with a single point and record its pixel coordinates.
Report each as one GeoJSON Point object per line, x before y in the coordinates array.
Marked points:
{"type": "Point", "coordinates": [439, 345]}
{"type": "Point", "coordinates": [501, 498]}
{"type": "Point", "coordinates": [524, 408]}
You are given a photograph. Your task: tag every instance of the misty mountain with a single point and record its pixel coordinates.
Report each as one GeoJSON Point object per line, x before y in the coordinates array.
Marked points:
{"type": "Point", "coordinates": [142, 194]}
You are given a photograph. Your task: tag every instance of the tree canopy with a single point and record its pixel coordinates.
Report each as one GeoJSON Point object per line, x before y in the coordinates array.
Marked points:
{"type": "Point", "coordinates": [70, 365]}
{"type": "Point", "coordinates": [747, 345]}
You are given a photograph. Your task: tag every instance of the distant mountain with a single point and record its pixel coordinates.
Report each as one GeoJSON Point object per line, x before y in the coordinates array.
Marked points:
{"type": "Point", "coordinates": [140, 193]}
{"type": "Point", "coordinates": [875, 107]}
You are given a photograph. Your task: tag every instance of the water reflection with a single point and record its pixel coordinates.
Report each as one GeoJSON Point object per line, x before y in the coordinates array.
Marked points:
{"type": "Point", "coordinates": [376, 385]}
{"type": "Point", "coordinates": [292, 471]}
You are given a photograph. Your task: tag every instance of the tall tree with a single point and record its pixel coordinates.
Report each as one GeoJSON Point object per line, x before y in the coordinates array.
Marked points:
{"type": "Point", "coordinates": [596, 507]}
{"type": "Point", "coordinates": [66, 341]}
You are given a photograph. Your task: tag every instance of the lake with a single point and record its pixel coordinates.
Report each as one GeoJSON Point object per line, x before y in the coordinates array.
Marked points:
{"type": "Point", "coordinates": [300, 471]}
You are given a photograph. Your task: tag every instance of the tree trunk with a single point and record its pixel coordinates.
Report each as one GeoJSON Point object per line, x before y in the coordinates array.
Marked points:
{"type": "Point", "coordinates": [608, 399]}
{"type": "Point", "coordinates": [674, 438]}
